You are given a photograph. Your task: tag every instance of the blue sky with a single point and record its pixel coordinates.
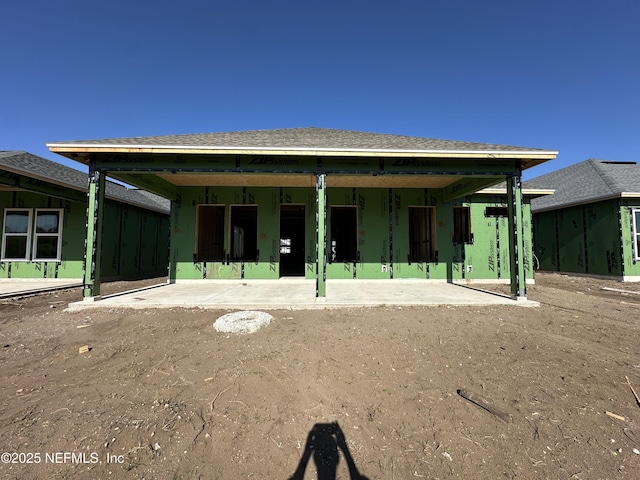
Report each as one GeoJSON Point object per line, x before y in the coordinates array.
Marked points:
{"type": "Point", "coordinates": [559, 75]}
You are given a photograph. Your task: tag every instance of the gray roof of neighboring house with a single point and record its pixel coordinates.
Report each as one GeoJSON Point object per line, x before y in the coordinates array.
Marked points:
{"type": "Point", "coordinates": [303, 138]}
{"type": "Point", "coordinates": [33, 166]}
{"type": "Point", "coordinates": [585, 182]}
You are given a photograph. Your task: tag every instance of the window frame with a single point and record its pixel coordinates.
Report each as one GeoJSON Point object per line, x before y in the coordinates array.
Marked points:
{"type": "Point", "coordinates": [248, 251]}
{"type": "Point", "coordinates": [36, 235]}
{"type": "Point", "coordinates": [6, 234]}
{"type": "Point", "coordinates": [201, 253]}
{"type": "Point", "coordinates": [429, 228]}
{"type": "Point", "coordinates": [635, 214]}
{"type": "Point", "coordinates": [496, 212]}
{"type": "Point", "coordinates": [352, 255]}
{"type": "Point", "coordinates": [462, 235]}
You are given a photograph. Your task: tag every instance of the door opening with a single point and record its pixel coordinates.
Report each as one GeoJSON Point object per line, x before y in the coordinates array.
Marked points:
{"type": "Point", "coordinates": [292, 226]}
{"type": "Point", "coordinates": [244, 232]}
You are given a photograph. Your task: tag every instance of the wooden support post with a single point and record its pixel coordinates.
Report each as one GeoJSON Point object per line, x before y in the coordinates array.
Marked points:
{"type": "Point", "coordinates": [516, 234]}
{"type": "Point", "coordinates": [321, 236]}
{"type": "Point", "coordinates": [93, 242]}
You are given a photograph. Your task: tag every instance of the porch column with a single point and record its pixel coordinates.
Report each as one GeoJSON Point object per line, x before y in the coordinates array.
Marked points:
{"type": "Point", "coordinates": [93, 242]}
{"type": "Point", "coordinates": [321, 235]}
{"type": "Point", "coordinates": [516, 243]}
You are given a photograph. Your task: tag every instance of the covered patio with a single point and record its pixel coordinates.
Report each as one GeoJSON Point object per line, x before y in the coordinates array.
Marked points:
{"type": "Point", "coordinates": [299, 294]}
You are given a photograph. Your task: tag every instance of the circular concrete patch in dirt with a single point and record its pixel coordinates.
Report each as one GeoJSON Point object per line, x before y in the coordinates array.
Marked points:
{"type": "Point", "coordinates": [242, 322]}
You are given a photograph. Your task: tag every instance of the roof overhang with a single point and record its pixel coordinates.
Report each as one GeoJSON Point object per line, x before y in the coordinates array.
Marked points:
{"type": "Point", "coordinates": [530, 192]}
{"type": "Point", "coordinates": [80, 152]}
{"type": "Point", "coordinates": [588, 201]}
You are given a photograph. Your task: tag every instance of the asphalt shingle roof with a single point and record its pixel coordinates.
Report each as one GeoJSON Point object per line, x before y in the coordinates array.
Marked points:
{"type": "Point", "coordinates": [585, 182]}
{"type": "Point", "coordinates": [37, 167]}
{"type": "Point", "coordinates": [304, 138]}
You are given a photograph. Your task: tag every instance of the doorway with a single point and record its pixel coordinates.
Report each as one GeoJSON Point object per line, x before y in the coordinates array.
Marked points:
{"type": "Point", "coordinates": [292, 226]}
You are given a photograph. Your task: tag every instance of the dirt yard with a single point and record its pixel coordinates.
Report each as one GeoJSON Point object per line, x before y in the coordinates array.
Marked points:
{"type": "Point", "coordinates": [330, 394]}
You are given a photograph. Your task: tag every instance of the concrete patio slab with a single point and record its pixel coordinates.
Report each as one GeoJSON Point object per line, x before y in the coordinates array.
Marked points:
{"type": "Point", "coordinates": [10, 287]}
{"type": "Point", "coordinates": [298, 294]}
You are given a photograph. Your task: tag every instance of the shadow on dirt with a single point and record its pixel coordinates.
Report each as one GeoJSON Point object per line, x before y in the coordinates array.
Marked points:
{"type": "Point", "coordinates": [324, 442]}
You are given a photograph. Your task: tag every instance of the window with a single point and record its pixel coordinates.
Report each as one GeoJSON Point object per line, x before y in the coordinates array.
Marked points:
{"type": "Point", "coordinates": [636, 232]}
{"type": "Point", "coordinates": [462, 225]}
{"type": "Point", "coordinates": [24, 240]}
{"type": "Point", "coordinates": [344, 234]}
{"type": "Point", "coordinates": [16, 234]}
{"type": "Point", "coordinates": [422, 247]}
{"type": "Point", "coordinates": [496, 212]}
{"type": "Point", "coordinates": [285, 245]}
{"type": "Point", "coordinates": [210, 233]}
{"type": "Point", "coordinates": [47, 240]}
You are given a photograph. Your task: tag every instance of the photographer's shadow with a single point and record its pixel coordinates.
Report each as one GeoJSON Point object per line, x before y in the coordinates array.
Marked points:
{"type": "Point", "coordinates": [324, 442]}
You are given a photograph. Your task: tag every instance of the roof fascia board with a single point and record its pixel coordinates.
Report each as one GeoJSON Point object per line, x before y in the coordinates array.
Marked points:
{"type": "Point", "coordinates": [525, 191]}
{"type": "Point", "coordinates": [221, 150]}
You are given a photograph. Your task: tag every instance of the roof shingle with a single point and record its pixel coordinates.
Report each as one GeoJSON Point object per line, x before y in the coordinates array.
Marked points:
{"type": "Point", "coordinates": [585, 182]}
{"type": "Point", "coordinates": [303, 138]}
{"type": "Point", "coordinates": [37, 167]}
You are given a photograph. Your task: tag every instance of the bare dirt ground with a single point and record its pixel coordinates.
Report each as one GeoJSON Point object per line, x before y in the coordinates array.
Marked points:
{"type": "Point", "coordinates": [330, 394]}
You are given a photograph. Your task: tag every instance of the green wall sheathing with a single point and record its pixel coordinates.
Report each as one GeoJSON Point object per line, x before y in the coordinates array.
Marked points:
{"type": "Point", "coordinates": [340, 197]}
{"type": "Point", "coordinates": [306, 197]}
{"type": "Point", "coordinates": [268, 200]}
{"type": "Point", "coordinates": [382, 230]}
{"type": "Point", "coordinates": [631, 265]}
{"type": "Point", "coordinates": [545, 245]}
{"type": "Point", "coordinates": [586, 239]}
{"type": "Point", "coordinates": [73, 221]}
{"type": "Point", "coordinates": [373, 233]}
{"type": "Point", "coordinates": [135, 241]}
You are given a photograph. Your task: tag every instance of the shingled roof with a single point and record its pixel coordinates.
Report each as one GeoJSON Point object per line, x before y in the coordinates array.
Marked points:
{"type": "Point", "coordinates": [32, 166]}
{"type": "Point", "coordinates": [586, 182]}
{"type": "Point", "coordinates": [311, 138]}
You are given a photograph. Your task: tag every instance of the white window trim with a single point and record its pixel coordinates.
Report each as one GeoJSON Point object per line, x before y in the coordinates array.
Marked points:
{"type": "Point", "coordinates": [36, 235]}
{"type": "Point", "coordinates": [635, 233]}
{"type": "Point", "coordinates": [5, 235]}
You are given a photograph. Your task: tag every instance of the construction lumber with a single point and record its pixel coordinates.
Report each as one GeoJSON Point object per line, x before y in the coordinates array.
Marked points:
{"type": "Point", "coordinates": [473, 398]}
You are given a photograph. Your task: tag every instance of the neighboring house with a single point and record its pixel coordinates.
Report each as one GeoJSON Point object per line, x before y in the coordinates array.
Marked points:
{"type": "Point", "coordinates": [43, 210]}
{"type": "Point", "coordinates": [591, 224]}
{"type": "Point", "coordinates": [327, 204]}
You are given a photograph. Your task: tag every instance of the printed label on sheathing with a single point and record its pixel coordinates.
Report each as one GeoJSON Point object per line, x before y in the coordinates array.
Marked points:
{"type": "Point", "coordinates": [492, 256]}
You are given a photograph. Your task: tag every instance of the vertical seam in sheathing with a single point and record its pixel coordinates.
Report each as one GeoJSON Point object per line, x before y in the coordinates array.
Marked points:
{"type": "Point", "coordinates": [355, 203]}
{"type": "Point", "coordinates": [633, 232]}
{"type": "Point", "coordinates": [324, 230]}
{"type": "Point", "coordinates": [557, 241]}
{"type": "Point", "coordinates": [621, 237]}
{"type": "Point", "coordinates": [585, 238]}
{"type": "Point", "coordinates": [498, 248]}
{"type": "Point", "coordinates": [120, 238]}
{"type": "Point", "coordinates": [390, 232]}
{"type": "Point", "coordinates": [142, 221]}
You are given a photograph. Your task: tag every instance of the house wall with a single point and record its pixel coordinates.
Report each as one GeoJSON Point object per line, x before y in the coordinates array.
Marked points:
{"type": "Point", "coordinates": [382, 234]}
{"type": "Point", "coordinates": [586, 239]}
{"type": "Point", "coordinates": [135, 241]}
{"type": "Point", "coordinates": [631, 266]}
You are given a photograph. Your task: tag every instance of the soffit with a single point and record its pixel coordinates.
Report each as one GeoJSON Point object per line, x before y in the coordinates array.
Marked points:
{"type": "Point", "coordinates": [282, 180]}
